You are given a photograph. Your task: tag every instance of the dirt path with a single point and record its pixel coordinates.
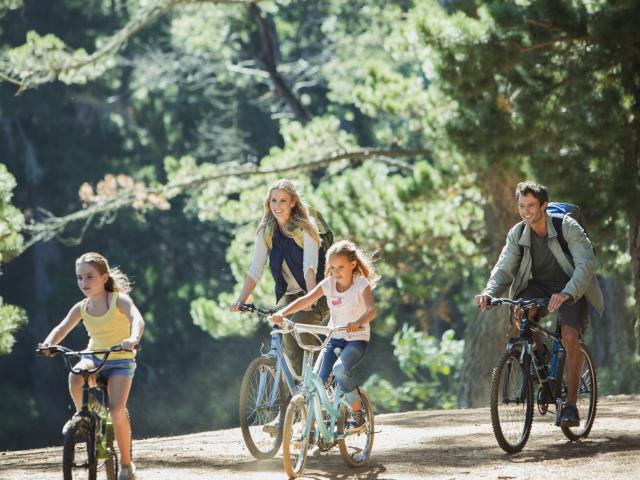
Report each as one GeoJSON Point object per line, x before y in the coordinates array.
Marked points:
{"type": "Point", "coordinates": [453, 444]}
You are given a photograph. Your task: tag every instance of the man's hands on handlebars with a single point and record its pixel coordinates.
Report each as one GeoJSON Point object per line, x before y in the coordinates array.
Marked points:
{"type": "Point", "coordinates": [483, 301]}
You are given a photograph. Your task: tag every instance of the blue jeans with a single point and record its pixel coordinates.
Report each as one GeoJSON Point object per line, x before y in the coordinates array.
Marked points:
{"type": "Point", "coordinates": [352, 353]}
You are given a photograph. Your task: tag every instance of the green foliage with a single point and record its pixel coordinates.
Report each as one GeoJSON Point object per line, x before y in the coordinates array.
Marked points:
{"type": "Point", "coordinates": [432, 367]}
{"type": "Point", "coordinates": [11, 223]}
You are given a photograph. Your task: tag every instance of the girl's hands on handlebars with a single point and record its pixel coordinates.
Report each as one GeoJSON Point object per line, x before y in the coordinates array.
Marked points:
{"type": "Point", "coordinates": [277, 318]}
{"type": "Point", "coordinates": [129, 344]}
{"type": "Point", "coordinates": [353, 327]}
{"type": "Point", "coordinates": [45, 349]}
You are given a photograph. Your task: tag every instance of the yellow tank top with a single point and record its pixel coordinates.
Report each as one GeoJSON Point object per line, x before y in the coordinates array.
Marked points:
{"type": "Point", "coordinates": [107, 330]}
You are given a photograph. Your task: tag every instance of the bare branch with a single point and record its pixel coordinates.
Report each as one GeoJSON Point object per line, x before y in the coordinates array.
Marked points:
{"type": "Point", "coordinates": [53, 226]}
{"type": "Point", "coordinates": [549, 43]}
{"type": "Point", "coordinates": [540, 23]}
{"type": "Point", "coordinates": [267, 43]}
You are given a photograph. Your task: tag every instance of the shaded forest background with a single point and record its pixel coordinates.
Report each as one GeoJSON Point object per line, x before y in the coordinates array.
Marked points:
{"type": "Point", "coordinates": [150, 130]}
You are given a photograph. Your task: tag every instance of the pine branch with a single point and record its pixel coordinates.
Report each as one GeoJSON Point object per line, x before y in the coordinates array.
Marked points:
{"type": "Point", "coordinates": [53, 226]}
{"type": "Point", "coordinates": [51, 70]}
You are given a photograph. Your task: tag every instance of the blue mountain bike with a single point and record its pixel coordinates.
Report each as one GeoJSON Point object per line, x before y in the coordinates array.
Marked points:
{"type": "Point", "coordinates": [268, 384]}
{"type": "Point", "coordinates": [518, 369]}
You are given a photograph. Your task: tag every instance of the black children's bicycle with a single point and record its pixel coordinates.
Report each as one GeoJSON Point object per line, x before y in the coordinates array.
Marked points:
{"type": "Point", "coordinates": [513, 378]}
{"type": "Point", "coordinates": [88, 436]}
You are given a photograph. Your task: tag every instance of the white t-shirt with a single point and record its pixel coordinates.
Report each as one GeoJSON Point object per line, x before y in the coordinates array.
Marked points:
{"type": "Point", "coordinates": [346, 307]}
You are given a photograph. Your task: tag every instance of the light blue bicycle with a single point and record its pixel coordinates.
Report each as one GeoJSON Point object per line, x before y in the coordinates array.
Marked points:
{"type": "Point", "coordinates": [267, 385]}
{"type": "Point", "coordinates": [318, 415]}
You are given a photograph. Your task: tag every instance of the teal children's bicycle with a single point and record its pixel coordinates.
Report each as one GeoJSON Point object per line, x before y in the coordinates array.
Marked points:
{"type": "Point", "coordinates": [319, 415]}
{"type": "Point", "coordinates": [88, 436]}
{"type": "Point", "coordinates": [268, 384]}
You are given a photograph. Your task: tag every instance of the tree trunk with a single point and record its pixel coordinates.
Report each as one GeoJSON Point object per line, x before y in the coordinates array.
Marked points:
{"type": "Point", "coordinates": [634, 249]}
{"type": "Point", "coordinates": [41, 255]}
{"type": "Point", "coordinates": [610, 338]}
{"type": "Point", "coordinates": [487, 333]}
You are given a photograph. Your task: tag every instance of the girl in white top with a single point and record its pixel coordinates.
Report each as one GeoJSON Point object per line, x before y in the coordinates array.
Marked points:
{"type": "Point", "coordinates": [349, 280]}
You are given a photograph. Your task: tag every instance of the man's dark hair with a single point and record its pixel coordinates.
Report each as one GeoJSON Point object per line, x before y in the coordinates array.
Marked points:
{"type": "Point", "coordinates": [535, 189]}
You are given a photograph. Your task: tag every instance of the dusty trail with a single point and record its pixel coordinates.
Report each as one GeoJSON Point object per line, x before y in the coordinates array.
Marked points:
{"type": "Point", "coordinates": [453, 444]}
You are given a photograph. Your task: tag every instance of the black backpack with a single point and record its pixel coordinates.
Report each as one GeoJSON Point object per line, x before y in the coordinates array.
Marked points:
{"type": "Point", "coordinates": [557, 211]}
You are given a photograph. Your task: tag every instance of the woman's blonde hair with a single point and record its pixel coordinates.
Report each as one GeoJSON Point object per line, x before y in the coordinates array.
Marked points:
{"type": "Point", "coordinates": [117, 281]}
{"type": "Point", "coordinates": [364, 261]}
{"type": "Point", "coordinates": [299, 213]}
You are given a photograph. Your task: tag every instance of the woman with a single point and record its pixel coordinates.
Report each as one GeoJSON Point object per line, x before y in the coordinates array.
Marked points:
{"type": "Point", "coordinates": [288, 238]}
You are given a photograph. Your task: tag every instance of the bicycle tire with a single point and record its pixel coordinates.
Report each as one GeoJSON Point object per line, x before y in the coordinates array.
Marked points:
{"type": "Point", "coordinates": [356, 454]}
{"type": "Point", "coordinates": [511, 419]}
{"type": "Point", "coordinates": [253, 417]}
{"type": "Point", "coordinates": [587, 397]}
{"type": "Point", "coordinates": [294, 443]}
{"type": "Point", "coordinates": [82, 433]}
{"type": "Point", "coordinates": [111, 463]}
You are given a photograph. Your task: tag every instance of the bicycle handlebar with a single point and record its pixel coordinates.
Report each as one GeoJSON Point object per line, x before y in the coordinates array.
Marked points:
{"type": "Point", "coordinates": [314, 330]}
{"type": "Point", "coordinates": [524, 304]}
{"type": "Point", "coordinates": [68, 353]}
{"type": "Point", "coordinates": [250, 307]}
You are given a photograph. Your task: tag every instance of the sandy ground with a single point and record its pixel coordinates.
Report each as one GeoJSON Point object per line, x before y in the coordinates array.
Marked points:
{"type": "Point", "coordinates": [452, 444]}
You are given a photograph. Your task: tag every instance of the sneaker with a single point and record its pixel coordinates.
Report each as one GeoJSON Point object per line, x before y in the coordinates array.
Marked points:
{"type": "Point", "coordinates": [127, 472]}
{"type": "Point", "coordinates": [357, 421]}
{"type": "Point", "coordinates": [273, 426]}
{"type": "Point", "coordinates": [570, 417]}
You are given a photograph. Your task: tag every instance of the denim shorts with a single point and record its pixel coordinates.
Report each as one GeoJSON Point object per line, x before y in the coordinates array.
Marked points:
{"type": "Point", "coordinates": [114, 368]}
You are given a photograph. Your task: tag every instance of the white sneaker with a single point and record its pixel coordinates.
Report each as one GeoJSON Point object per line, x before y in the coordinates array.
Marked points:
{"type": "Point", "coordinates": [127, 472]}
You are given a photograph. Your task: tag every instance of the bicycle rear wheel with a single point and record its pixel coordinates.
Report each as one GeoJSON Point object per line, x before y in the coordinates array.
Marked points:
{"type": "Point", "coordinates": [79, 460]}
{"type": "Point", "coordinates": [356, 447]}
{"type": "Point", "coordinates": [511, 403]}
{"type": "Point", "coordinates": [262, 403]}
{"type": "Point", "coordinates": [587, 397]}
{"type": "Point", "coordinates": [295, 443]}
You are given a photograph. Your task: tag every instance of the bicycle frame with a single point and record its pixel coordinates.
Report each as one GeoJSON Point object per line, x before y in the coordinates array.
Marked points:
{"type": "Point", "coordinates": [527, 358]}
{"type": "Point", "coordinates": [317, 398]}
{"type": "Point", "coordinates": [283, 365]}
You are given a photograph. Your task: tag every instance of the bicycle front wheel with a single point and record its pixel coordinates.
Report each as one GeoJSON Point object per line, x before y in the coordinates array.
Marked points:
{"type": "Point", "coordinates": [356, 447]}
{"type": "Point", "coordinates": [295, 443]}
{"type": "Point", "coordinates": [111, 463]}
{"type": "Point", "coordinates": [587, 397]}
{"type": "Point", "coordinates": [511, 403]}
{"type": "Point", "coordinates": [262, 407]}
{"type": "Point", "coordinates": [79, 459]}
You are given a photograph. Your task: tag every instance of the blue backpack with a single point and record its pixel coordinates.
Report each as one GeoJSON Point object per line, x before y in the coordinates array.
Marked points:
{"type": "Point", "coordinates": [557, 211]}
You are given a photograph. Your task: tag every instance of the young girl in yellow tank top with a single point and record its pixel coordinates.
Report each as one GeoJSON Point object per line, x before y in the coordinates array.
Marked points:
{"type": "Point", "coordinates": [110, 318]}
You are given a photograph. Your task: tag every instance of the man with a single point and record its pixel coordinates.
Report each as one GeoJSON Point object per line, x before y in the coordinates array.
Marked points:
{"type": "Point", "coordinates": [532, 264]}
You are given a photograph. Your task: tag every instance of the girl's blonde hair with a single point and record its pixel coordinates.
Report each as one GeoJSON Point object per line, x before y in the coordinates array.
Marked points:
{"type": "Point", "coordinates": [364, 261]}
{"type": "Point", "coordinates": [299, 213]}
{"type": "Point", "coordinates": [117, 281]}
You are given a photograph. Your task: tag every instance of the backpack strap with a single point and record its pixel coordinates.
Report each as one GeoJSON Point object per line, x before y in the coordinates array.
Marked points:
{"type": "Point", "coordinates": [520, 232]}
{"type": "Point", "coordinates": [557, 225]}
{"type": "Point", "coordinates": [556, 219]}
